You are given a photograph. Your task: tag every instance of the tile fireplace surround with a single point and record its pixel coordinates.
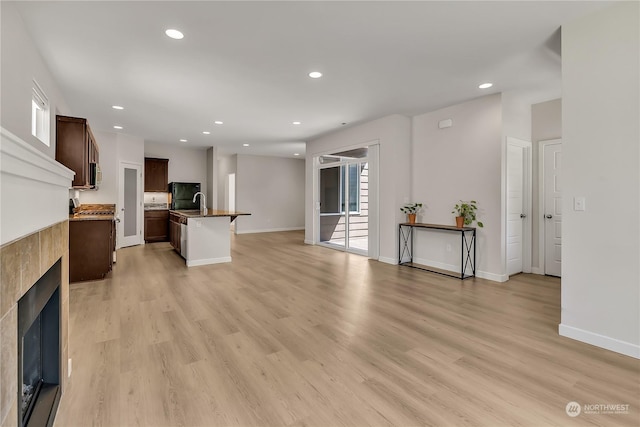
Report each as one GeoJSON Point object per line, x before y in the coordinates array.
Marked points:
{"type": "Point", "coordinates": [31, 241]}
{"type": "Point", "coordinates": [22, 263]}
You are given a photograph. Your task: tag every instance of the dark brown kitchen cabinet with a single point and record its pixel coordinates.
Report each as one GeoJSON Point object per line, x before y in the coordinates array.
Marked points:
{"type": "Point", "coordinates": [175, 231]}
{"type": "Point", "coordinates": [156, 174]}
{"type": "Point", "coordinates": [156, 226]}
{"type": "Point", "coordinates": [91, 245]}
{"type": "Point", "coordinates": [76, 148]}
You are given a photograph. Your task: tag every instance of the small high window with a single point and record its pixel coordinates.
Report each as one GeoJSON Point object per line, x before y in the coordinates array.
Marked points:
{"type": "Point", "coordinates": [39, 114]}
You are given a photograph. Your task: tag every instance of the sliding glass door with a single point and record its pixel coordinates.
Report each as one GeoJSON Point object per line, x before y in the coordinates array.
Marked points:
{"type": "Point", "coordinates": [344, 201]}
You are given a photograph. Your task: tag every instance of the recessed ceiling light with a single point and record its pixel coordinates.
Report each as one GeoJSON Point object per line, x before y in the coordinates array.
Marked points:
{"type": "Point", "coordinates": [315, 74]}
{"type": "Point", "coordinates": [183, 140]}
{"type": "Point", "coordinates": [296, 123]}
{"type": "Point", "coordinates": [206, 132]}
{"type": "Point", "coordinates": [245, 145]}
{"type": "Point", "coordinates": [296, 154]}
{"type": "Point", "coordinates": [117, 127]}
{"type": "Point", "coordinates": [485, 85]}
{"type": "Point", "coordinates": [218, 122]}
{"type": "Point", "coordinates": [174, 34]}
{"type": "Point", "coordinates": [117, 107]}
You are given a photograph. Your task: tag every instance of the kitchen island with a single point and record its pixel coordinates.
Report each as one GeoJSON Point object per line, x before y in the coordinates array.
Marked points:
{"type": "Point", "coordinates": [202, 237]}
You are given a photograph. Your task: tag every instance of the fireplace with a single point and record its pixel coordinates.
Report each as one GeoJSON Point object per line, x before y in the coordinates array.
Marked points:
{"type": "Point", "coordinates": [31, 242]}
{"type": "Point", "coordinates": [39, 350]}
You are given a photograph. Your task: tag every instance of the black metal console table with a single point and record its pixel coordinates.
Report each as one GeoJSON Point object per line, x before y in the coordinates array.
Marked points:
{"type": "Point", "coordinates": [468, 247]}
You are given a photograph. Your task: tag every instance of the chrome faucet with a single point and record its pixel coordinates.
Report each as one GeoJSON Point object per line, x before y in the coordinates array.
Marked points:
{"type": "Point", "coordinates": [203, 201]}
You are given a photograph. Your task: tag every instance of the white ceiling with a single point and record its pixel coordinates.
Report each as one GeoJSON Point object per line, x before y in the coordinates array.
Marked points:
{"type": "Point", "coordinates": [246, 63]}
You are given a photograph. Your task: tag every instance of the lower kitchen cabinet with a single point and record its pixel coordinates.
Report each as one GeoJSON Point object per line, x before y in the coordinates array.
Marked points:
{"type": "Point", "coordinates": [175, 232]}
{"type": "Point", "coordinates": [91, 245]}
{"type": "Point", "coordinates": [156, 226]}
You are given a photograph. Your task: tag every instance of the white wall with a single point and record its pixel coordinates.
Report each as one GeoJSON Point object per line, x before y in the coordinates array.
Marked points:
{"type": "Point", "coordinates": [516, 115]}
{"type": "Point", "coordinates": [185, 164]}
{"type": "Point", "coordinates": [393, 134]}
{"type": "Point", "coordinates": [114, 148]}
{"type": "Point", "coordinates": [546, 124]}
{"type": "Point", "coordinates": [462, 162]}
{"type": "Point", "coordinates": [272, 190]}
{"type": "Point", "coordinates": [212, 177]}
{"type": "Point", "coordinates": [21, 64]}
{"type": "Point", "coordinates": [601, 162]}
{"type": "Point", "coordinates": [226, 165]}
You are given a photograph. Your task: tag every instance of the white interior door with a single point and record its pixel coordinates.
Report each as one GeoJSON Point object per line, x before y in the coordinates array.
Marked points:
{"type": "Point", "coordinates": [552, 207]}
{"type": "Point", "coordinates": [517, 206]}
{"type": "Point", "coordinates": [230, 200]}
{"type": "Point", "coordinates": [130, 207]}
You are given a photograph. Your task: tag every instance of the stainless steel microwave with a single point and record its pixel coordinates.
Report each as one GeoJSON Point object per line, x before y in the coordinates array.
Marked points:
{"type": "Point", "coordinates": [95, 176]}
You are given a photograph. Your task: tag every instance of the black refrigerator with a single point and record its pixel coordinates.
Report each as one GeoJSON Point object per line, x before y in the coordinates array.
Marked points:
{"type": "Point", "coordinates": [182, 195]}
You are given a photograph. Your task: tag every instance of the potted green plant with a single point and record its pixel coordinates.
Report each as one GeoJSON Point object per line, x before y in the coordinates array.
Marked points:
{"type": "Point", "coordinates": [411, 209]}
{"type": "Point", "coordinates": [466, 213]}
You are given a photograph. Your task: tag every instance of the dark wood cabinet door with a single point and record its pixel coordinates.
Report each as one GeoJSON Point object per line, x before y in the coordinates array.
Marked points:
{"type": "Point", "coordinates": [72, 147]}
{"type": "Point", "coordinates": [90, 249]}
{"type": "Point", "coordinates": [156, 226]}
{"type": "Point", "coordinates": [174, 232]}
{"type": "Point", "coordinates": [156, 174]}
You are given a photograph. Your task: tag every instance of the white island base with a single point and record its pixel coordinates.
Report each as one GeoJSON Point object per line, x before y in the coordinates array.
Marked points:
{"type": "Point", "coordinates": [202, 237]}
{"type": "Point", "coordinates": [208, 241]}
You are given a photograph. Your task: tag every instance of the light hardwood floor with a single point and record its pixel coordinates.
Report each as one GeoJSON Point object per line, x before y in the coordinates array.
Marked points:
{"type": "Point", "coordinates": [292, 335]}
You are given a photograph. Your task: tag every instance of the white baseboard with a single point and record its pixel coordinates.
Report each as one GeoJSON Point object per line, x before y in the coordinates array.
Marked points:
{"type": "Point", "coordinates": [537, 270]}
{"type": "Point", "coordinates": [455, 269]}
{"type": "Point", "coordinates": [602, 341]}
{"type": "Point", "coordinates": [492, 276]}
{"type": "Point", "coordinates": [270, 230]}
{"type": "Point", "coordinates": [309, 242]}
{"type": "Point", "coordinates": [388, 260]}
{"type": "Point", "coordinates": [207, 261]}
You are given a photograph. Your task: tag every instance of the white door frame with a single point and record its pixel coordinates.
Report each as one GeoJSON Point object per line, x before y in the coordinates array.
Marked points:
{"type": "Point", "coordinates": [230, 196]}
{"type": "Point", "coordinates": [541, 202]}
{"type": "Point", "coordinates": [347, 212]}
{"type": "Point", "coordinates": [139, 192]}
{"type": "Point", "coordinates": [527, 181]}
{"type": "Point", "coordinates": [374, 195]}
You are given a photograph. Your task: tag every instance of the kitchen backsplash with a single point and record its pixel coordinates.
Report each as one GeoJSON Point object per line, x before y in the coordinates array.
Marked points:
{"type": "Point", "coordinates": [156, 198]}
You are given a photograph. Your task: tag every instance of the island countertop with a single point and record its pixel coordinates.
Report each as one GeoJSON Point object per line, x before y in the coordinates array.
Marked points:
{"type": "Point", "coordinates": [196, 213]}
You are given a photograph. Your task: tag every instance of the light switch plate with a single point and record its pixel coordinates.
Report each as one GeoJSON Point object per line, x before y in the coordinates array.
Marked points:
{"type": "Point", "coordinates": [579, 204]}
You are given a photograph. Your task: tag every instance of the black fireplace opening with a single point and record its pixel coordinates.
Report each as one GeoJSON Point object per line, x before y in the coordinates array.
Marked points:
{"type": "Point", "coordinates": [39, 350]}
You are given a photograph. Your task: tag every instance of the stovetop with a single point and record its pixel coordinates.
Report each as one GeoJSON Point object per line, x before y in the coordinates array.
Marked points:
{"type": "Point", "coordinates": [94, 212]}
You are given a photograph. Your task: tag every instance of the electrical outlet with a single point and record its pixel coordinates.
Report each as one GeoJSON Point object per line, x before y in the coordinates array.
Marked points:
{"type": "Point", "coordinates": [198, 224]}
{"type": "Point", "coordinates": [579, 204]}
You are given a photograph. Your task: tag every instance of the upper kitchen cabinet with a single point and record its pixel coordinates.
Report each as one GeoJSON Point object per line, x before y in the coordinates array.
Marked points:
{"type": "Point", "coordinates": [156, 174]}
{"type": "Point", "coordinates": [76, 148]}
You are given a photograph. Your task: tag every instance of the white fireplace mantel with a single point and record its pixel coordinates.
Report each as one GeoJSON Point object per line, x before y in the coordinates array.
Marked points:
{"type": "Point", "coordinates": [34, 189]}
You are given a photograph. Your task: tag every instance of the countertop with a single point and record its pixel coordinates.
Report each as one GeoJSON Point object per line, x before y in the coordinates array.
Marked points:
{"type": "Point", "coordinates": [88, 217]}
{"type": "Point", "coordinates": [94, 212]}
{"type": "Point", "coordinates": [156, 207]}
{"type": "Point", "coordinates": [208, 213]}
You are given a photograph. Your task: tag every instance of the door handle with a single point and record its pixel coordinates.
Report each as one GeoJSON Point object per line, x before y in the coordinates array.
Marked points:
{"type": "Point", "coordinates": [523, 215]}
{"type": "Point", "coordinates": [548, 216]}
